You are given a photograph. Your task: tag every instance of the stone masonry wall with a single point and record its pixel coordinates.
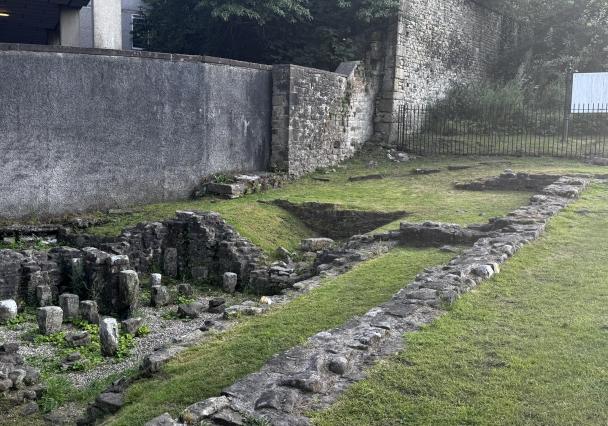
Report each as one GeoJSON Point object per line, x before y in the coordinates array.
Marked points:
{"type": "Point", "coordinates": [432, 45]}
{"type": "Point", "coordinates": [320, 118]}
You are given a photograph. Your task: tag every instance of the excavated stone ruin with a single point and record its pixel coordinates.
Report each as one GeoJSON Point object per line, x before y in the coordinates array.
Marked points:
{"type": "Point", "coordinates": [330, 221]}
{"type": "Point", "coordinates": [312, 376]}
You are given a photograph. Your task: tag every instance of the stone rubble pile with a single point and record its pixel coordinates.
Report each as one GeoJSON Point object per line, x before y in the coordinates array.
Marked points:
{"type": "Point", "coordinates": [19, 383]}
{"type": "Point", "coordinates": [238, 185]}
{"type": "Point", "coordinates": [311, 376]}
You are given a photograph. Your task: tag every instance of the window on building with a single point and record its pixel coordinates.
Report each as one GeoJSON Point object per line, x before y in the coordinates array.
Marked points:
{"type": "Point", "coordinates": [139, 32]}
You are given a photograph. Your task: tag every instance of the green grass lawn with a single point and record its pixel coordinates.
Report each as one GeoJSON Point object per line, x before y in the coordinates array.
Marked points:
{"type": "Point", "coordinates": [528, 347]}
{"type": "Point", "coordinates": [430, 197]}
{"type": "Point", "coordinates": [204, 371]}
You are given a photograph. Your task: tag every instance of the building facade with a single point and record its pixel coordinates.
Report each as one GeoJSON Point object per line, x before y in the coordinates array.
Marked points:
{"type": "Point", "coordinates": [105, 24]}
{"type": "Point", "coordinates": [129, 15]}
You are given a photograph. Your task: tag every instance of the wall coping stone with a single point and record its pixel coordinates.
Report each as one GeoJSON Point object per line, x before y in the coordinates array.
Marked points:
{"type": "Point", "coordinates": [38, 48]}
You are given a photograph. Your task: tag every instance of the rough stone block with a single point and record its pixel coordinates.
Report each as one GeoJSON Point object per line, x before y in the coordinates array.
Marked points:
{"type": "Point", "coordinates": [155, 280]}
{"type": "Point", "coordinates": [70, 304]}
{"type": "Point", "coordinates": [185, 290]}
{"type": "Point", "coordinates": [128, 291]}
{"type": "Point", "coordinates": [160, 296]}
{"type": "Point", "coordinates": [170, 262]}
{"type": "Point", "coordinates": [8, 310]}
{"type": "Point", "coordinates": [316, 244]}
{"type": "Point", "coordinates": [89, 311]}
{"type": "Point", "coordinates": [190, 310]}
{"type": "Point", "coordinates": [78, 339]}
{"type": "Point", "coordinates": [162, 420]}
{"type": "Point", "coordinates": [108, 333]}
{"type": "Point", "coordinates": [230, 281]}
{"type": "Point", "coordinates": [44, 295]}
{"type": "Point", "coordinates": [50, 319]}
{"type": "Point", "coordinates": [131, 325]}
{"type": "Point", "coordinates": [199, 411]}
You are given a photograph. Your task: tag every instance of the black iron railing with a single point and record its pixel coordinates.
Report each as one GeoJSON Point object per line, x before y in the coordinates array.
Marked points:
{"type": "Point", "coordinates": [504, 130]}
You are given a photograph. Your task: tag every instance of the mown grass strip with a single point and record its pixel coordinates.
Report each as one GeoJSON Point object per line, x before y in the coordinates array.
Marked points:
{"type": "Point", "coordinates": [204, 371]}
{"type": "Point", "coordinates": [529, 347]}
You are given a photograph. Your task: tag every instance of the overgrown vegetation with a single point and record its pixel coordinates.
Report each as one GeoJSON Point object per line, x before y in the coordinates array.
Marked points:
{"type": "Point", "coordinates": [90, 354]}
{"type": "Point", "coordinates": [525, 348]}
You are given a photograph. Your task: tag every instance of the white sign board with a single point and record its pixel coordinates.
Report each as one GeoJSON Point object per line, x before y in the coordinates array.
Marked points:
{"type": "Point", "coordinates": [590, 92]}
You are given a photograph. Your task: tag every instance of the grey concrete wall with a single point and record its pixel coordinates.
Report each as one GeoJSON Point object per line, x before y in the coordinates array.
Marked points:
{"type": "Point", "coordinates": [432, 45]}
{"type": "Point", "coordinates": [95, 131]}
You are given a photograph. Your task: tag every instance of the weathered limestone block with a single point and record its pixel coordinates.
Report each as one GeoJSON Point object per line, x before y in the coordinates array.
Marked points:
{"type": "Point", "coordinates": [217, 305]}
{"type": "Point", "coordinates": [108, 333]}
{"type": "Point", "coordinates": [96, 271]}
{"type": "Point", "coordinates": [8, 310]}
{"type": "Point", "coordinates": [162, 420]}
{"type": "Point", "coordinates": [50, 319]}
{"type": "Point", "coordinates": [131, 325]}
{"type": "Point", "coordinates": [109, 402]}
{"type": "Point", "coordinates": [112, 297]}
{"type": "Point", "coordinates": [184, 289]}
{"type": "Point", "coordinates": [70, 304]}
{"type": "Point", "coordinates": [170, 262]}
{"type": "Point", "coordinates": [78, 339]}
{"type": "Point", "coordinates": [198, 412]}
{"type": "Point", "coordinates": [230, 281]}
{"type": "Point", "coordinates": [338, 365]}
{"type": "Point", "coordinates": [76, 273]}
{"type": "Point", "coordinates": [17, 376]}
{"type": "Point", "coordinates": [128, 291]}
{"type": "Point", "coordinates": [316, 244]}
{"type": "Point", "coordinates": [10, 273]}
{"type": "Point", "coordinates": [190, 310]}
{"type": "Point", "coordinates": [154, 362]}
{"type": "Point", "coordinates": [160, 296]}
{"type": "Point", "coordinates": [32, 278]}
{"type": "Point", "coordinates": [89, 311]}
{"type": "Point", "coordinates": [155, 280]}
{"type": "Point", "coordinates": [44, 295]}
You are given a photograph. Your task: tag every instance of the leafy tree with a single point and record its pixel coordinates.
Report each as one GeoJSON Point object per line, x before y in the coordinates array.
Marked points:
{"type": "Point", "coordinates": [319, 33]}
{"type": "Point", "coordinates": [559, 34]}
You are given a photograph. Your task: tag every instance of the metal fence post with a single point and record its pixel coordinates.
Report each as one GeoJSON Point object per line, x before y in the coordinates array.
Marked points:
{"type": "Point", "coordinates": [567, 104]}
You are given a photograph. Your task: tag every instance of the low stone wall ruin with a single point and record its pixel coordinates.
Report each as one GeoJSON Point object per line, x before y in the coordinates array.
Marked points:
{"type": "Point", "coordinates": [510, 181]}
